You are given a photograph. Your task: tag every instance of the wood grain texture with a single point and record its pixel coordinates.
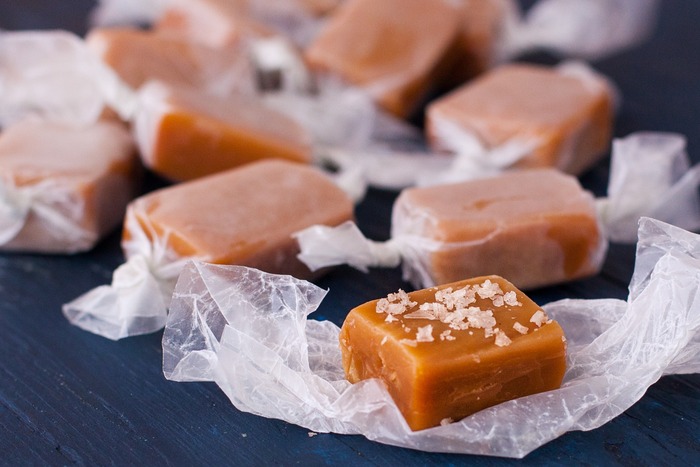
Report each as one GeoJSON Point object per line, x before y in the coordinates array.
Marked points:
{"type": "Point", "coordinates": [68, 397]}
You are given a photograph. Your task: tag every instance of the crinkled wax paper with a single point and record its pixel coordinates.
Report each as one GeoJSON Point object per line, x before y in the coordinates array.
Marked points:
{"type": "Point", "coordinates": [588, 29]}
{"type": "Point", "coordinates": [136, 302]}
{"type": "Point", "coordinates": [649, 177]}
{"type": "Point", "coordinates": [248, 331]}
{"type": "Point", "coordinates": [54, 76]}
{"type": "Point", "coordinates": [44, 217]}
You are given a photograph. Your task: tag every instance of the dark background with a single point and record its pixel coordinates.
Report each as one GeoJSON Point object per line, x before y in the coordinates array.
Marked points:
{"type": "Point", "coordinates": [70, 397]}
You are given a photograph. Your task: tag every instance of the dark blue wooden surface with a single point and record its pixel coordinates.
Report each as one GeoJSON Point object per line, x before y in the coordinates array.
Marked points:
{"type": "Point", "coordinates": [69, 397]}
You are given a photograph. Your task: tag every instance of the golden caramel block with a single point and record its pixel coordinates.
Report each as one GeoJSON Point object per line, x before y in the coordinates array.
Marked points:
{"type": "Point", "coordinates": [245, 216]}
{"type": "Point", "coordinates": [395, 49]}
{"type": "Point", "coordinates": [563, 121]}
{"type": "Point", "coordinates": [216, 23]}
{"type": "Point", "coordinates": [139, 56]}
{"type": "Point", "coordinates": [184, 134]}
{"type": "Point", "coordinates": [84, 177]}
{"type": "Point", "coordinates": [447, 352]}
{"type": "Point", "coordinates": [536, 227]}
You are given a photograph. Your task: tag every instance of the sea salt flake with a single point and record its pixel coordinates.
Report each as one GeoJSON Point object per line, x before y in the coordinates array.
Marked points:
{"type": "Point", "coordinates": [446, 335]}
{"type": "Point", "coordinates": [539, 318]}
{"type": "Point", "coordinates": [511, 299]}
{"type": "Point", "coordinates": [520, 328]}
{"type": "Point", "coordinates": [386, 338]}
{"type": "Point", "coordinates": [425, 334]}
{"type": "Point", "coordinates": [488, 289]}
{"type": "Point", "coordinates": [446, 421]}
{"type": "Point", "coordinates": [498, 300]}
{"type": "Point", "coordinates": [312, 434]}
{"type": "Point", "coordinates": [409, 342]}
{"type": "Point", "coordinates": [502, 340]}
{"type": "Point", "coordinates": [390, 318]}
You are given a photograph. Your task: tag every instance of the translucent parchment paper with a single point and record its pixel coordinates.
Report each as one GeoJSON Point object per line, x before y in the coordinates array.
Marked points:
{"type": "Point", "coordinates": [248, 331]}
{"type": "Point", "coordinates": [136, 302]}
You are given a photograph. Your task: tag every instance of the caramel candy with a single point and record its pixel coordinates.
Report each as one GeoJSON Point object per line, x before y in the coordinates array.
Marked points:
{"type": "Point", "coordinates": [560, 119]}
{"type": "Point", "coordinates": [244, 216]}
{"type": "Point", "coordinates": [76, 182]}
{"type": "Point", "coordinates": [536, 227]}
{"type": "Point", "coordinates": [184, 134]}
{"type": "Point", "coordinates": [395, 49]}
{"type": "Point", "coordinates": [139, 56]}
{"type": "Point", "coordinates": [447, 352]}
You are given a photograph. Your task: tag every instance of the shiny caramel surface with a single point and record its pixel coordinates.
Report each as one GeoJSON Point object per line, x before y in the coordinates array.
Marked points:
{"type": "Point", "coordinates": [439, 370]}
{"type": "Point", "coordinates": [244, 216]}
{"type": "Point", "coordinates": [537, 227]}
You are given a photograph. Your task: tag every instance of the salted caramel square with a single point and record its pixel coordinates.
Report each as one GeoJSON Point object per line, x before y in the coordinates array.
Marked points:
{"type": "Point", "coordinates": [556, 119]}
{"type": "Point", "coordinates": [244, 216]}
{"type": "Point", "coordinates": [184, 134]}
{"type": "Point", "coordinates": [447, 352]}
{"type": "Point", "coordinates": [395, 49]}
{"type": "Point", "coordinates": [536, 227]}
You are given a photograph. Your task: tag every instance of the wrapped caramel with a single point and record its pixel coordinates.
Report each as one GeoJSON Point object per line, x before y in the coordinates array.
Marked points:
{"type": "Point", "coordinates": [242, 216]}
{"type": "Point", "coordinates": [249, 332]}
{"type": "Point", "coordinates": [536, 227]}
{"type": "Point", "coordinates": [62, 188]}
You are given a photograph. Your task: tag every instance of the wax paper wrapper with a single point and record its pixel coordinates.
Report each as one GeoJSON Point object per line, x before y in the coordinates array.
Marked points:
{"type": "Point", "coordinates": [136, 302]}
{"type": "Point", "coordinates": [649, 176]}
{"type": "Point", "coordinates": [52, 75]}
{"type": "Point", "coordinates": [587, 29]}
{"type": "Point", "coordinates": [44, 217]}
{"type": "Point", "coordinates": [248, 331]}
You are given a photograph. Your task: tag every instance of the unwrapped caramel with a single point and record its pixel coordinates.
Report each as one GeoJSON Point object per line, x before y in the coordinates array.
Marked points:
{"type": "Point", "coordinates": [395, 49]}
{"type": "Point", "coordinates": [447, 352]}
{"type": "Point", "coordinates": [62, 187]}
{"type": "Point", "coordinates": [244, 216]}
{"type": "Point", "coordinates": [555, 117]}
{"type": "Point", "coordinates": [184, 134]}
{"type": "Point", "coordinates": [536, 227]}
{"type": "Point", "coordinates": [139, 56]}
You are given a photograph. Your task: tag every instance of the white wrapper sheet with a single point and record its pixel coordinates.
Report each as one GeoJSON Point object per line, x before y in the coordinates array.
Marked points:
{"type": "Point", "coordinates": [54, 76]}
{"type": "Point", "coordinates": [45, 217]}
{"type": "Point", "coordinates": [248, 331]}
{"type": "Point", "coordinates": [136, 302]}
{"type": "Point", "coordinates": [649, 177]}
{"type": "Point", "coordinates": [587, 29]}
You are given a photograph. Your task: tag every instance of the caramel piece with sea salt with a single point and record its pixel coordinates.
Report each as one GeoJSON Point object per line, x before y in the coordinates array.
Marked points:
{"type": "Point", "coordinates": [395, 49]}
{"type": "Point", "coordinates": [139, 56]}
{"type": "Point", "coordinates": [447, 352]}
{"type": "Point", "coordinates": [185, 134]}
{"type": "Point", "coordinates": [536, 227]}
{"type": "Point", "coordinates": [562, 120]}
{"type": "Point", "coordinates": [85, 175]}
{"type": "Point", "coordinates": [245, 216]}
